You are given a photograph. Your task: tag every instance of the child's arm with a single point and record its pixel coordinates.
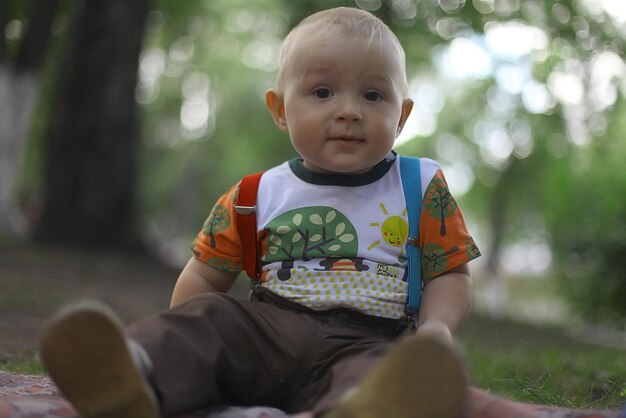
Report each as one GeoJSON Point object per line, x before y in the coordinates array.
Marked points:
{"type": "Point", "coordinates": [446, 302]}
{"type": "Point", "coordinates": [198, 277]}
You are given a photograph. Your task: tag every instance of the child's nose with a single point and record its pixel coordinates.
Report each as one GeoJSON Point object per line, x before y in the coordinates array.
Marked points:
{"type": "Point", "coordinates": [348, 110]}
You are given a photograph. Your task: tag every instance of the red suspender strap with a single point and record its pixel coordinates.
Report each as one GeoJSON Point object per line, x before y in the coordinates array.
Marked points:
{"type": "Point", "coordinates": [245, 210]}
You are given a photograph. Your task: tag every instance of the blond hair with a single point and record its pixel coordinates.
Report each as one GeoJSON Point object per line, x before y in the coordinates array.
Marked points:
{"type": "Point", "coordinates": [348, 20]}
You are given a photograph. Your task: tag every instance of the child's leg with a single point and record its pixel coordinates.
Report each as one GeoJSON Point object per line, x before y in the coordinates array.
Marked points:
{"type": "Point", "coordinates": [419, 377]}
{"type": "Point", "coordinates": [216, 350]}
{"type": "Point", "coordinates": [401, 386]}
{"type": "Point", "coordinates": [209, 351]}
{"type": "Point", "coordinates": [86, 354]}
{"type": "Point", "coordinates": [480, 404]}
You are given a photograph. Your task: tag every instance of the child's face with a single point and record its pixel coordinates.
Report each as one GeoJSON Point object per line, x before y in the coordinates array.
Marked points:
{"type": "Point", "coordinates": [342, 102]}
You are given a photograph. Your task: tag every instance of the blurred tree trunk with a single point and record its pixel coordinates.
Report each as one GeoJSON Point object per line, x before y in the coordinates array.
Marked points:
{"type": "Point", "coordinates": [91, 154]}
{"type": "Point", "coordinates": [20, 75]}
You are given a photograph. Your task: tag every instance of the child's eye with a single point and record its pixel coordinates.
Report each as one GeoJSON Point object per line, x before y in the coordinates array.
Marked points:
{"type": "Point", "coordinates": [372, 96]}
{"type": "Point", "coordinates": [322, 93]}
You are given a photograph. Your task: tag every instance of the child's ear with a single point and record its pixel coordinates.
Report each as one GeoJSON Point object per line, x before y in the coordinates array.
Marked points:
{"type": "Point", "coordinates": [407, 106]}
{"type": "Point", "coordinates": [276, 104]}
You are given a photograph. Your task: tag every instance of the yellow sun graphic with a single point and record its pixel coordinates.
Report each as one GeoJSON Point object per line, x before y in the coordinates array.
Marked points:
{"type": "Point", "coordinates": [394, 230]}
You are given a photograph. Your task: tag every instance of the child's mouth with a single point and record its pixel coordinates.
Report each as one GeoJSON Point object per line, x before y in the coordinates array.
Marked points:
{"type": "Point", "coordinates": [346, 139]}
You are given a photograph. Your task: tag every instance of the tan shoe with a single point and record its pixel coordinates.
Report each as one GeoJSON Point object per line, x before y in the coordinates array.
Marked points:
{"type": "Point", "coordinates": [421, 377]}
{"type": "Point", "coordinates": [85, 352]}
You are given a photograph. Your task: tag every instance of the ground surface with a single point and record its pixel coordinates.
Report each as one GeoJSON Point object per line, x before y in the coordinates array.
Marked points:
{"type": "Point", "coordinates": [545, 365]}
{"type": "Point", "coordinates": [36, 281]}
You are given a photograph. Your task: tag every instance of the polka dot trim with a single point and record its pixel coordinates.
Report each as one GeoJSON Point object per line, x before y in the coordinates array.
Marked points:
{"type": "Point", "coordinates": [364, 292]}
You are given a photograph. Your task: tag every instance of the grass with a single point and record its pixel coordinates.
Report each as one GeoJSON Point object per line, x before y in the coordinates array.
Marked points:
{"type": "Point", "coordinates": [563, 377]}
{"type": "Point", "coordinates": [543, 364]}
{"type": "Point", "coordinates": [24, 363]}
{"type": "Point", "coordinates": [557, 371]}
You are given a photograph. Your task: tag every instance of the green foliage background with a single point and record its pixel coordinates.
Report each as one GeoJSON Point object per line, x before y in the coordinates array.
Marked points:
{"type": "Point", "coordinates": [562, 183]}
{"type": "Point", "coordinates": [586, 215]}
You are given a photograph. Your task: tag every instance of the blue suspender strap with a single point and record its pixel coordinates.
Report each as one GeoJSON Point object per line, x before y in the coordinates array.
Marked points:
{"type": "Point", "coordinates": [412, 186]}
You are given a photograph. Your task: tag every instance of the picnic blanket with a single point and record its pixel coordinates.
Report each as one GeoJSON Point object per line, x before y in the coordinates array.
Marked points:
{"type": "Point", "coordinates": [36, 396]}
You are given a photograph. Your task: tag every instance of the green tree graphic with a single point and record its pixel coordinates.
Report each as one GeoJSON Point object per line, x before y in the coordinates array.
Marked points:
{"type": "Point", "coordinates": [439, 203]}
{"type": "Point", "coordinates": [222, 264]}
{"type": "Point", "coordinates": [471, 249]}
{"type": "Point", "coordinates": [219, 220]}
{"type": "Point", "coordinates": [435, 259]}
{"type": "Point", "coordinates": [305, 233]}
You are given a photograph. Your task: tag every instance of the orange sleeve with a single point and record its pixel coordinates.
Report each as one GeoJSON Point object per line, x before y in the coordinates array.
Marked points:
{"type": "Point", "coordinates": [444, 237]}
{"type": "Point", "coordinates": [218, 243]}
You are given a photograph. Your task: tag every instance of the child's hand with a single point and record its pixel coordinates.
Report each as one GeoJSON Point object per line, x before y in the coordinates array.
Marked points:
{"type": "Point", "coordinates": [436, 329]}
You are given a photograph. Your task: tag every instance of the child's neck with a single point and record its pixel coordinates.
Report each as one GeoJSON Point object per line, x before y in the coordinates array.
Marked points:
{"type": "Point", "coordinates": [341, 179]}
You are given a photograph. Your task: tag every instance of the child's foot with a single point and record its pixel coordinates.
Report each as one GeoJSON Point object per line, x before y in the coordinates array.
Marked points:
{"type": "Point", "coordinates": [419, 378]}
{"type": "Point", "coordinates": [85, 352]}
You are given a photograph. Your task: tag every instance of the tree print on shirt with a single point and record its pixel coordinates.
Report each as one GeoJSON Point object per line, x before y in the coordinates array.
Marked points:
{"type": "Point", "coordinates": [471, 249]}
{"type": "Point", "coordinates": [439, 203]}
{"type": "Point", "coordinates": [435, 259]}
{"type": "Point", "coordinates": [218, 221]}
{"type": "Point", "coordinates": [307, 233]}
{"type": "Point", "coordinates": [222, 264]}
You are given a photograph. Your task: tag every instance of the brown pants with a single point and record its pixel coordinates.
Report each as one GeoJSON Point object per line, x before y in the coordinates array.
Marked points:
{"type": "Point", "coordinates": [218, 350]}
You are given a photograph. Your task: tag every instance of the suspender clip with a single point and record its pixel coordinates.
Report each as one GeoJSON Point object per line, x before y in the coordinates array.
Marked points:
{"type": "Point", "coordinates": [245, 210]}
